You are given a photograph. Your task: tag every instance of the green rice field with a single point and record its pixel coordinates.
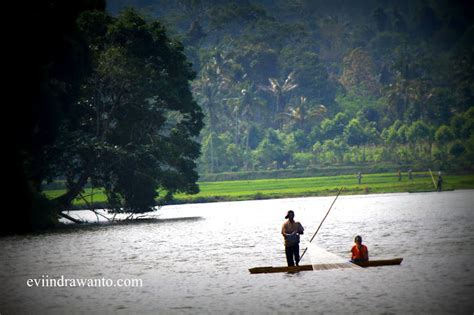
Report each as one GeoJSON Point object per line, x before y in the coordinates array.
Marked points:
{"type": "Point", "coordinates": [300, 187]}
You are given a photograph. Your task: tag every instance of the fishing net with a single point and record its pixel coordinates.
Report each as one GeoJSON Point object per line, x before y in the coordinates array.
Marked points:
{"type": "Point", "coordinates": [321, 259]}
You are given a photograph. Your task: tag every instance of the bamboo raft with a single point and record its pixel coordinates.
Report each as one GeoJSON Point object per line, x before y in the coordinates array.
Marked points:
{"type": "Point", "coordinates": [370, 263]}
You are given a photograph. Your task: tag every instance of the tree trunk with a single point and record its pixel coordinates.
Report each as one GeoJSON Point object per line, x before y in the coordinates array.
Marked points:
{"type": "Point", "coordinates": [69, 218]}
{"type": "Point", "coordinates": [63, 202]}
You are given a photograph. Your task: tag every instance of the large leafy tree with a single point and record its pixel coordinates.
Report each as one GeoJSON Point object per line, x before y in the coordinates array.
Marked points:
{"type": "Point", "coordinates": [50, 59]}
{"type": "Point", "coordinates": [270, 153]}
{"type": "Point", "coordinates": [311, 75]}
{"type": "Point", "coordinates": [137, 122]}
{"type": "Point", "coordinates": [359, 74]}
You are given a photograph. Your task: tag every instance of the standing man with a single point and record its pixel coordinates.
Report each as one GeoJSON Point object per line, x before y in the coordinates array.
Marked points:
{"type": "Point", "coordinates": [359, 177]}
{"type": "Point", "coordinates": [440, 182]}
{"type": "Point", "coordinates": [291, 231]}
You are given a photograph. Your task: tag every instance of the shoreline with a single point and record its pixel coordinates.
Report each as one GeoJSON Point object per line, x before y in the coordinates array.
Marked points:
{"type": "Point", "coordinates": [257, 196]}
{"type": "Point", "coordinates": [61, 227]}
{"type": "Point", "coordinates": [259, 189]}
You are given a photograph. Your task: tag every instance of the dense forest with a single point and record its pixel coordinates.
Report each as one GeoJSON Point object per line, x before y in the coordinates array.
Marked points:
{"type": "Point", "coordinates": [304, 84]}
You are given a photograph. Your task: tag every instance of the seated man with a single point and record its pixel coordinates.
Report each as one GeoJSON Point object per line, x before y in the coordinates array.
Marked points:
{"type": "Point", "coordinates": [359, 251]}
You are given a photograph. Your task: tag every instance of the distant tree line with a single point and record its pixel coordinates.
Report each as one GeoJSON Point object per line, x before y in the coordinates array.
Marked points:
{"type": "Point", "coordinates": [296, 84]}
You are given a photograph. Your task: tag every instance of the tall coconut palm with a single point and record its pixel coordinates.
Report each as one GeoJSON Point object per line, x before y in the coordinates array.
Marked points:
{"type": "Point", "coordinates": [303, 115]}
{"type": "Point", "coordinates": [280, 89]}
{"type": "Point", "coordinates": [208, 90]}
{"type": "Point", "coordinates": [243, 109]}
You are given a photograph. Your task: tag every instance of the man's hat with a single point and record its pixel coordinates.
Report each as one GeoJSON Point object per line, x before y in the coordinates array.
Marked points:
{"type": "Point", "coordinates": [288, 213]}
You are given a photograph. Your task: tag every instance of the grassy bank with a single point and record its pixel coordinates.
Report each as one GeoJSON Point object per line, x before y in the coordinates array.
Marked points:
{"type": "Point", "coordinates": [335, 170]}
{"type": "Point", "coordinates": [323, 186]}
{"type": "Point", "coordinates": [300, 187]}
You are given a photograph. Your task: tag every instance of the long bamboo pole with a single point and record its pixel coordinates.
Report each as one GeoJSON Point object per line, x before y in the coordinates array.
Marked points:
{"type": "Point", "coordinates": [436, 188]}
{"type": "Point", "coordinates": [304, 252]}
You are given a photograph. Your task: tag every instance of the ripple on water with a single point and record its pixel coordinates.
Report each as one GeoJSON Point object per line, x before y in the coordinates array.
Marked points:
{"type": "Point", "coordinates": [201, 265]}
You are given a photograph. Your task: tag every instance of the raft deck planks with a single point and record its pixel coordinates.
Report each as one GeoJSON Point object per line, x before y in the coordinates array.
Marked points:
{"type": "Point", "coordinates": [370, 263]}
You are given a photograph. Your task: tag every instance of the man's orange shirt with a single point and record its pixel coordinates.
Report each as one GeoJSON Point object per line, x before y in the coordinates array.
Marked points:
{"type": "Point", "coordinates": [362, 253]}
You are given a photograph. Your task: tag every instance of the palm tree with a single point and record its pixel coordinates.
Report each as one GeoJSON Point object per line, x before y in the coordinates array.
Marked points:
{"type": "Point", "coordinates": [279, 90]}
{"type": "Point", "coordinates": [208, 89]}
{"type": "Point", "coordinates": [242, 108]}
{"type": "Point", "coordinates": [404, 94]}
{"type": "Point", "coordinates": [302, 114]}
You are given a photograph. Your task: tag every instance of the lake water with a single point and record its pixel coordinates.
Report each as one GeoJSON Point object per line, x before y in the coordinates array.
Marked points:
{"type": "Point", "coordinates": [195, 259]}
